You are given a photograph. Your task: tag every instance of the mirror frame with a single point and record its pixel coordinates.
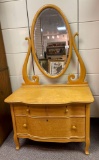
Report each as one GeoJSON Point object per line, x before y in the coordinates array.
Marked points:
{"type": "Point", "coordinates": [33, 42]}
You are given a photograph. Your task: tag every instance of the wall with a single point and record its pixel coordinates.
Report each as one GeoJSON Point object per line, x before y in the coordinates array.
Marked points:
{"type": "Point", "coordinates": [16, 19]}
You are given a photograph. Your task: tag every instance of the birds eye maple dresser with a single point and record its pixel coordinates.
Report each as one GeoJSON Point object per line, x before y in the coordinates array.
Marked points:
{"type": "Point", "coordinates": [57, 112]}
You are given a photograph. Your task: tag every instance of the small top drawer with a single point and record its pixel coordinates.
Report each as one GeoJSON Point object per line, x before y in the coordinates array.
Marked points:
{"type": "Point", "coordinates": [66, 110]}
{"type": "Point", "coordinates": [76, 109]}
{"type": "Point", "coordinates": [20, 109]}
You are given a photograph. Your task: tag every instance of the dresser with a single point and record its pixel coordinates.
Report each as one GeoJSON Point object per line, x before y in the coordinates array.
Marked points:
{"type": "Point", "coordinates": [56, 112]}
{"type": "Point", "coordinates": [53, 113]}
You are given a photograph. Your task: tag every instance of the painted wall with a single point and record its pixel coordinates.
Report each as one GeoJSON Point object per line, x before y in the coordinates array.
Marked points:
{"type": "Point", "coordinates": [16, 18]}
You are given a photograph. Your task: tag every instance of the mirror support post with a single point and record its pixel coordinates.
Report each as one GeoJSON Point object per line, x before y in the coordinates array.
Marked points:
{"type": "Point", "coordinates": [81, 78]}
{"type": "Point", "coordinates": [24, 69]}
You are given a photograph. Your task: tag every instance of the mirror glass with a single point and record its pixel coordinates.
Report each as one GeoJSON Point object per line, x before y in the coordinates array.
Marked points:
{"type": "Point", "coordinates": [51, 41]}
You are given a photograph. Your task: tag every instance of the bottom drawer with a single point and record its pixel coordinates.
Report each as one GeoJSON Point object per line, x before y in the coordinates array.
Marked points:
{"type": "Point", "coordinates": [57, 127]}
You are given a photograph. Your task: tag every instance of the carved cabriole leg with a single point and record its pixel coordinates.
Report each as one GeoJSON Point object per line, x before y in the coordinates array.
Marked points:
{"type": "Point", "coordinates": [16, 139]}
{"type": "Point", "coordinates": [87, 128]}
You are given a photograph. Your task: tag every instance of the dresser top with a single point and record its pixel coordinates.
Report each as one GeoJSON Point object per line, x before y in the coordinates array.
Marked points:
{"type": "Point", "coordinates": [51, 94]}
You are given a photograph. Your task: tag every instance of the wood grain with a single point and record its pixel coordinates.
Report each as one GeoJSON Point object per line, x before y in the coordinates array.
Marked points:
{"type": "Point", "coordinates": [61, 94]}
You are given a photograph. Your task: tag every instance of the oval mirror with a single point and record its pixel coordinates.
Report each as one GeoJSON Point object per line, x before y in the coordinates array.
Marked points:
{"type": "Point", "coordinates": [51, 41]}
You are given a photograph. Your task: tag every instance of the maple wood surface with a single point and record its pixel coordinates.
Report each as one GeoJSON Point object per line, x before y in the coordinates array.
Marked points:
{"type": "Point", "coordinates": [51, 94]}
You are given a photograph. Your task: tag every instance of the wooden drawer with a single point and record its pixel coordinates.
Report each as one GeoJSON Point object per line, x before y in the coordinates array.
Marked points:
{"type": "Point", "coordinates": [50, 110]}
{"type": "Point", "coordinates": [57, 127]}
{"type": "Point", "coordinates": [37, 110]}
{"type": "Point", "coordinates": [58, 110]}
{"type": "Point", "coordinates": [32, 110]}
{"type": "Point", "coordinates": [75, 110]}
{"type": "Point", "coordinates": [21, 124]}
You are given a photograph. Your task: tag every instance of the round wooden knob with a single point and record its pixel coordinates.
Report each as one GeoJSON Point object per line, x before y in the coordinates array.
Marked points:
{"type": "Point", "coordinates": [24, 125]}
{"type": "Point", "coordinates": [28, 110]}
{"type": "Point", "coordinates": [74, 127]}
{"type": "Point", "coordinates": [66, 110]}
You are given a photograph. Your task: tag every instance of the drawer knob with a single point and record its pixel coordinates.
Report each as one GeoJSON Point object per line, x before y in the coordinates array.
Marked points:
{"type": "Point", "coordinates": [66, 110]}
{"type": "Point", "coordinates": [24, 125]}
{"type": "Point", "coordinates": [74, 127]}
{"type": "Point", "coordinates": [28, 110]}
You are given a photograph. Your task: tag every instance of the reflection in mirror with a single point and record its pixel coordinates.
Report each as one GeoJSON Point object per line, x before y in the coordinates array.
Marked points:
{"type": "Point", "coordinates": [51, 41]}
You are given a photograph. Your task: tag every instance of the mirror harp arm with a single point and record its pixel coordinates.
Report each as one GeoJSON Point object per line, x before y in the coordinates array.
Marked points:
{"type": "Point", "coordinates": [82, 75]}
{"type": "Point", "coordinates": [24, 69]}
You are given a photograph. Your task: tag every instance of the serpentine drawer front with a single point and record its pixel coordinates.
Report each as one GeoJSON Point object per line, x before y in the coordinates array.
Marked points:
{"type": "Point", "coordinates": [63, 127]}
{"type": "Point", "coordinates": [50, 121]}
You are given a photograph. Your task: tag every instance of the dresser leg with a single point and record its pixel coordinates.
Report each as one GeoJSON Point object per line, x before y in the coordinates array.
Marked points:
{"type": "Point", "coordinates": [87, 147]}
{"type": "Point", "coordinates": [87, 130]}
{"type": "Point", "coordinates": [16, 140]}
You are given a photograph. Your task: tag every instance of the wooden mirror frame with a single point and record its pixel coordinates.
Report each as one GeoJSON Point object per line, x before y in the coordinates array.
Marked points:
{"type": "Point", "coordinates": [71, 77]}
{"type": "Point", "coordinates": [33, 43]}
